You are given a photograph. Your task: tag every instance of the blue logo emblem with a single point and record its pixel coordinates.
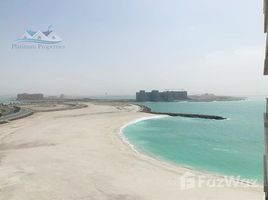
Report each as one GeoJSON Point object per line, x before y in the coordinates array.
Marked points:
{"type": "Point", "coordinates": [40, 37]}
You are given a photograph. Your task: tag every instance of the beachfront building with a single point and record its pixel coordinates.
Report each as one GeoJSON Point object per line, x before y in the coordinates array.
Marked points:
{"type": "Point", "coordinates": [266, 113]}
{"type": "Point", "coordinates": [26, 96]}
{"type": "Point", "coordinates": [155, 95]}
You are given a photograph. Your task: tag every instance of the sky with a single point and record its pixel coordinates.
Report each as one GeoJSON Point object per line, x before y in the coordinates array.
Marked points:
{"type": "Point", "coordinates": [118, 47]}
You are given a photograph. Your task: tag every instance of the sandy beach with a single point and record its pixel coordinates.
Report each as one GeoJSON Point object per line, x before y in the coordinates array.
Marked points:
{"type": "Point", "coordinates": [79, 155]}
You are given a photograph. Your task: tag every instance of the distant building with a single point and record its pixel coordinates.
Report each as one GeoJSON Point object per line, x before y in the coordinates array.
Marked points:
{"type": "Point", "coordinates": [53, 97]}
{"type": "Point", "coordinates": [25, 96]}
{"type": "Point", "coordinates": [155, 95]}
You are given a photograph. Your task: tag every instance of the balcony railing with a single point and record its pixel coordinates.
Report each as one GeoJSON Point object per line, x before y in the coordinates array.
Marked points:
{"type": "Point", "coordinates": [265, 157]}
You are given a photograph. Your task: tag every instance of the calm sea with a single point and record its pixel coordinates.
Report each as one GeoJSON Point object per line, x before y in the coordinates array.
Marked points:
{"type": "Point", "coordinates": [229, 147]}
{"type": "Point", "coordinates": [7, 99]}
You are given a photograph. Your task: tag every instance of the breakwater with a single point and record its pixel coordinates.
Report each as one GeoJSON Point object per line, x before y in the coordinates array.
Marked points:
{"type": "Point", "coordinates": [203, 116]}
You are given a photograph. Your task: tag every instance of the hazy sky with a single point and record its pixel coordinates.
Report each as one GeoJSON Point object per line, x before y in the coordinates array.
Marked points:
{"type": "Point", "coordinates": [121, 46]}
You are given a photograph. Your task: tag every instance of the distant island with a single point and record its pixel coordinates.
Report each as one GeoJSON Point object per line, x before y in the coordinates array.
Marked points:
{"type": "Point", "coordinates": [207, 97]}
{"type": "Point", "coordinates": [170, 96]}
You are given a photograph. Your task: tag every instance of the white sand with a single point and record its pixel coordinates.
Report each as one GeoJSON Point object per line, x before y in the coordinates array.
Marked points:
{"type": "Point", "coordinates": [78, 155]}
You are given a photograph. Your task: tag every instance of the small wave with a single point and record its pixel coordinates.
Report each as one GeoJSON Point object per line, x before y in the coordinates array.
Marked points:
{"type": "Point", "coordinates": [225, 150]}
{"type": "Point", "coordinates": [124, 138]}
{"type": "Point", "coordinates": [142, 119]}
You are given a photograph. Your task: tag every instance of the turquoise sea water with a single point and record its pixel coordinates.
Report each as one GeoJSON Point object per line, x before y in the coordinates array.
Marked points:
{"type": "Point", "coordinates": [7, 99]}
{"type": "Point", "coordinates": [229, 147]}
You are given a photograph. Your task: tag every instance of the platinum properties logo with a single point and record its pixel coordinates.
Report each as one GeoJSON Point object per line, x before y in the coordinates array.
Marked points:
{"type": "Point", "coordinates": [37, 46]}
{"type": "Point", "coordinates": [39, 40]}
{"type": "Point", "coordinates": [190, 181]}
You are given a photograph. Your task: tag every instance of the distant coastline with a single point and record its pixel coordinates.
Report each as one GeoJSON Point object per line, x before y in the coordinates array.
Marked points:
{"type": "Point", "coordinates": [212, 97]}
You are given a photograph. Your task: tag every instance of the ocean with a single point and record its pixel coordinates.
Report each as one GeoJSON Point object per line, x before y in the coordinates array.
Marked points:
{"type": "Point", "coordinates": [232, 147]}
{"type": "Point", "coordinates": [7, 99]}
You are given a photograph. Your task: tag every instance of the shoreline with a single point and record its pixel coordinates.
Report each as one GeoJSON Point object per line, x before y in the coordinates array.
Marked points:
{"type": "Point", "coordinates": [79, 154]}
{"type": "Point", "coordinates": [161, 161]}
{"type": "Point", "coordinates": [124, 138]}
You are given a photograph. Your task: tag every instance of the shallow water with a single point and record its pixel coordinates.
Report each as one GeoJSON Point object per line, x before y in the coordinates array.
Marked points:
{"type": "Point", "coordinates": [229, 147]}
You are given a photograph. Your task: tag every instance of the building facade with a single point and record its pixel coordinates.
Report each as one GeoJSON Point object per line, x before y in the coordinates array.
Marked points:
{"type": "Point", "coordinates": [155, 95]}
{"type": "Point", "coordinates": [25, 96]}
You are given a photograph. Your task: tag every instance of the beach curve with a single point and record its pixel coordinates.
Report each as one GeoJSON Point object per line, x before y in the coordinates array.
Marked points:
{"type": "Point", "coordinates": [77, 154]}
